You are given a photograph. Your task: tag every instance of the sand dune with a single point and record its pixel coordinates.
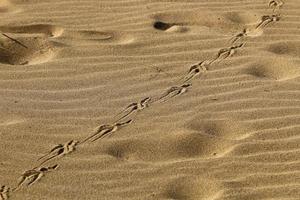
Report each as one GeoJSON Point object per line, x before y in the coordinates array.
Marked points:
{"type": "Point", "coordinates": [163, 123]}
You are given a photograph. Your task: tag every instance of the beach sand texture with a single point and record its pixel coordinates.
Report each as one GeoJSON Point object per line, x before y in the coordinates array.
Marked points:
{"type": "Point", "coordinates": [158, 99]}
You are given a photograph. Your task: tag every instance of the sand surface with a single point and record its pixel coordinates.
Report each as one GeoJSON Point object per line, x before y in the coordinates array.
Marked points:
{"type": "Point", "coordinates": [228, 129]}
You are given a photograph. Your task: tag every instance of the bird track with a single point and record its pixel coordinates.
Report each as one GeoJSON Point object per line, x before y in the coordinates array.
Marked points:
{"type": "Point", "coordinates": [32, 176]}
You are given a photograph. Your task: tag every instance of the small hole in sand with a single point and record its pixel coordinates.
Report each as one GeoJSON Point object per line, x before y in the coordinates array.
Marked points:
{"type": "Point", "coordinates": [162, 26]}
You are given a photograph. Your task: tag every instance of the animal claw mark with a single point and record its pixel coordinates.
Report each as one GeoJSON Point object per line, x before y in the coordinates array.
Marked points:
{"type": "Point", "coordinates": [105, 130]}
{"type": "Point", "coordinates": [59, 150]}
{"type": "Point", "coordinates": [267, 19]}
{"type": "Point", "coordinates": [196, 69]}
{"type": "Point", "coordinates": [227, 52]}
{"type": "Point", "coordinates": [33, 175]}
{"type": "Point", "coordinates": [4, 192]}
{"type": "Point", "coordinates": [239, 36]}
{"type": "Point", "coordinates": [114, 128]}
{"type": "Point", "coordinates": [52, 150]}
{"type": "Point", "coordinates": [18, 42]}
{"type": "Point", "coordinates": [175, 91]}
{"type": "Point", "coordinates": [275, 4]}
{"type": "Point", "coordinates": [137, 106]}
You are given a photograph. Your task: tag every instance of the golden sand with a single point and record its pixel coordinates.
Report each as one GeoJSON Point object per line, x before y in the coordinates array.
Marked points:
{"type": "Point", "coordinates": [132, 99]}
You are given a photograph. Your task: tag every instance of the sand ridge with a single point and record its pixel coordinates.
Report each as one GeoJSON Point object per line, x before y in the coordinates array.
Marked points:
{"type": "Point", "coordinates": [213, 138]}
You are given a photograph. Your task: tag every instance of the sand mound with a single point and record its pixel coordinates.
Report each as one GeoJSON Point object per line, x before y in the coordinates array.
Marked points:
{"type": "Point", "coordinates": [45, 29]}
{"type": "Point", "coordinates": [285, 48]}
{"type": "Point", "coordinates": [227, 129]}
{"type": "Point", "coordinates": [274, 68]}
{"type": "Point", "coordinates": [192, 188]}
{"type": "Point", "coordinates": [174, 147]}
{"type": "Point", "coordinates": [35, 50]}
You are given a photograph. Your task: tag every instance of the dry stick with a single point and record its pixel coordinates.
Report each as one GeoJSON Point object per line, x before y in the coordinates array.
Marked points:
{"type": "Point", "coordinates": [15, 40]}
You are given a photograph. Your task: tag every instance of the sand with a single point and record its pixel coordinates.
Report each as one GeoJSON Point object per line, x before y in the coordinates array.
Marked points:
{"type": "Point", "coordinates": [228, 129]}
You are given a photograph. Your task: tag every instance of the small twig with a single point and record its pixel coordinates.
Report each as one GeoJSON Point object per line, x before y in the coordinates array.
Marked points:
{"type": "Point", "coordinates": [15, 40]}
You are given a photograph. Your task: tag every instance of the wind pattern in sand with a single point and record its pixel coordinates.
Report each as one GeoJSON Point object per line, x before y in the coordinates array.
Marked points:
{"type": "Point", "coordinates": [230, 133]}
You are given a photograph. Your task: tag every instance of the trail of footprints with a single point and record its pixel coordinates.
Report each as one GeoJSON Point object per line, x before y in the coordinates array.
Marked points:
{"type": "Point", "coordinates": [31, 176]}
